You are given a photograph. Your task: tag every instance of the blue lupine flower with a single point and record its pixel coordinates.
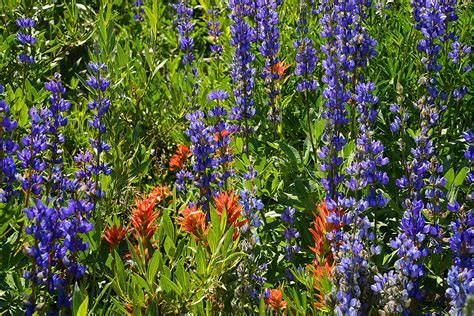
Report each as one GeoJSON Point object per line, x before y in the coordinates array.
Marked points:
{"type": "Point", "coordinates": [139, 10]}
{"type": "Point", "coordinates": [31, 156]}
{"type": "Point", "coordinates": [27, 40]}
{"type": "Point", "coordinates": [8, 149]}
{"type": "Point", "coordinates": [98, 106]}
{"type": "Point", "coordinates": [242, 73]}
{"type": "Point", "coordinates": [211, 157]}
{"type": "Point", "coordinates": [306, 57]}
{"type": "Point", "coordinates": [214, 30]}
{"type": "Point", "coordinates": [268, 37]}
{"type": "Point", "coordinates": [185, 28]}
{"type": "Point", "coordinates": [461, 285]}
{"type": "Point", "coordinates": [55, 118]}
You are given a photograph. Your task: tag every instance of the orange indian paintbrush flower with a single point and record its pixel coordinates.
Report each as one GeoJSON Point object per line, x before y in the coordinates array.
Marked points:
{"type": "Point", "coordinates": [179, 158]}
{"type": "Point", "coordinates": [193, 221]}
{"type": "Point", "coordinates": [143, 219]}
{"type": "Point", "coordinates": [321, 273]}
{"type": "Point", "coordinates": [280, 68]}
{"type": "Point", "coordinates": [229, 202]}
{"type": "Point", "coordinates": [322, 246]}
{"type": "Point", "coordinates": [275, 300]}
{"type": "Point", "coordinates": [114, 235]}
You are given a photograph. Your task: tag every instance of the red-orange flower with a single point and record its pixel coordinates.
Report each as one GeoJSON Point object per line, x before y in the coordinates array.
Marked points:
{"type": "Point", "coordinates": [280, 68]}
{"type": "Point", "coordinates": [193, 221]}
{"type": "Point", "coordinates": [159, 194]}
{"type": "Point", "coordinates": [114, 235]}
{"type": "Point", "coordinates": [143, 219]}
{"type": "Point", "coordinates": [179, 158]}
{"type": "Point", "coordinates": [321, 273]}
{"type": "Point", "coordinates": [275, 300]}
{"type": "Point", "coordinates": [229, 202]}
{"type": "Point", "coordinates": [322, 246]}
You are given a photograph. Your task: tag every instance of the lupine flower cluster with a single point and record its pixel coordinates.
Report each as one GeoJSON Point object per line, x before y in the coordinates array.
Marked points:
{"type": "Point", "coordinates": [99, 105]}
{"type": "Point", "coordinates": [249, 272]}
{"type": "Point", "coordinates": [55, 230]}
{"type": "Point", "coordinates": [242, 73]}
{"type": "Point", "coordinates": [268, 36]}
{"type": "Point", "coordinates": [210, 149]}
{"type": "Point", "coordinates": [26, 39]}
{"type": "Point", "coordinates": [214, 31]}
{"type": "Point", "coordinates": [31, 156]}
{"type": "Point", "coordinates": [185, 28]}
{"type": "Point", "coordinates": [461, 273]}
{"type": "Point", "coordinates": [8, 148]}
{"type": "Point", "coordinates": [291, 235]}
{"type": "Point", "coordinates": [55, 119]}
{"type": "Point", "coordinates": [306, 57]}
{"type": "Point", "coordinates": [335, 96]}
{"type": "Point", "coordinates": [424, 170]}
{"type": "Point", "coordinates": [139, 10]}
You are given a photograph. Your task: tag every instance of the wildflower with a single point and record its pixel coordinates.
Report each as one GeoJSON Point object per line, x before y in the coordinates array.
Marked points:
{"type": "Point", "coordinates": [160, 194]}
{"type": "Point", "coordinates": [279, 69]}
{"type": "Point", "coordinates": [8, 148]}
{"type": "Point", "coordinates": [26, 40]}
{"type": "Point", "coordinates": [242, 73]}
{"type": "Point", "coordinates": [320, 230]}
{"type": "Point", "coordinates": [99, 106]}
{"type": "Point", "coordinates": [274, 299]}
{"type": "Point", "coordinates": [269, 35]}
{"type": "Point", "coordinates": [321, 275]}
{"type": "Point", "coordinates": [229, 202]}
{"type": "Point", "coordinates": [139, 10]}
{"type": "Point", "coordinates": [31, 157]}
{"type": "Point", "coordinates": [214, 30]}
{"type": "Point", "coordinates": [193, 221]}
{"type": "Point", "coordinates": [142, 220]}
{"type": "Point", "coordinates": [55, 118]}
{"type": "Point", "coordinates": [114, 235]}
{"type": "Point", "coordinates": [306, 57]}
{"type": "Point", "coordinates": [178, 160]}
{"type": "Point", "coordinates": [290, 233]}
{"type": "Point", "coordinates": [185, 28]}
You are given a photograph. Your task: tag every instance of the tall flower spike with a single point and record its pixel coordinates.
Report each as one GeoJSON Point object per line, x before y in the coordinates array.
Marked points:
{"type": "Point", "coordinates": [98, 106]}
{"type": "Point", "coordinates": [8, 148]}
{"type": "Point", "coordinates": [461, 273]}
{"type": "Point", "coordinates": [31, 157]}
{"type": "Point", "coordinates": [25, 37]}
{"type": "Point", "coordinates": [306, 57]}
{"type": "Point", "coordinates": [335, 29]}
{"type": "Point", "coordinates": [214, 31]}
{"type": "Point", "coordinates": [241, 71]}
{"type": "Point", "coordinates": [268, 37]}
{"type": "Point", "coordinates": [185, 28]}
{"type": "Point", "coordinates": [55, 119]}
{"type": "Point", "coordinates": [211, 154]}
{"type": "Point", "coordinates": [139, 10]}
{"type": "Point", "coordinates": [291, 235]}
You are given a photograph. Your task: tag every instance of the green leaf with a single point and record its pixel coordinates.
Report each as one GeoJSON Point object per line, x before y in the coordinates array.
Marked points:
{"type": "Point", "coordinates": [169, 285]}
{"type": "Point", "coordinates": [201, 261]}
{"type": "Point", "coordinates": [212, 240]}
{"type": "Point", "coordinates": [77, 299]}
{"type": "Point", "coordinates": [168, 226]}
{"type": "Point", "coordinates": [82, 311]}
{"type": "Point", "coordinates": [153, 266]}
{"type": "Point", "coordinates": [449, 176]}
{"type": "Point", "coordinates": [458, 181]}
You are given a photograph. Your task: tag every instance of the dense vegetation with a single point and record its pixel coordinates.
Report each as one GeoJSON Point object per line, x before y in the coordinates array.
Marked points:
{"type": "Point", "coordinates": [236, 157]}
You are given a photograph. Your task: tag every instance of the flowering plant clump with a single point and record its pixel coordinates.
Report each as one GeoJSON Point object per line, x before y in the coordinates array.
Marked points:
{"type": "Point", "coordinates": [236, 157]}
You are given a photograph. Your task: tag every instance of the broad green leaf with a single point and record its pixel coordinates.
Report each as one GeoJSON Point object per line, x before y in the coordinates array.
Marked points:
{"type": "Point", "coordinates": [458, 181]}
